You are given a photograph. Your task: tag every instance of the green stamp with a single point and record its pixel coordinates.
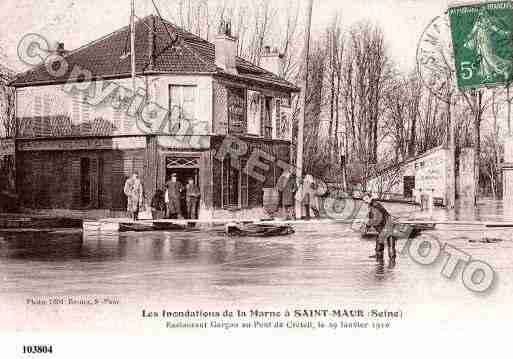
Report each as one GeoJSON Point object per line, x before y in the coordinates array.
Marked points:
{"type": "Point", "coordinates": [482, 42]}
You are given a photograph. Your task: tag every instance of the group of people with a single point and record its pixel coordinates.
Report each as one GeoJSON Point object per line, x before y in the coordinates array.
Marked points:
{"type": "Point", "coordinates": [166, 202]}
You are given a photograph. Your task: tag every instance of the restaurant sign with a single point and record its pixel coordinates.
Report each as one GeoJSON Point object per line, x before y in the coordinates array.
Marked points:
{"type": "Point", "coordinates": [120, 143]}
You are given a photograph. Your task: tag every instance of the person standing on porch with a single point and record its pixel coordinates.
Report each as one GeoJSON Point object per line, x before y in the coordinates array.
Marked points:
{"type": "Point", "coordinates": [158, 204]}
{"type": "Point", "coordinates": [174, 194]}
{"type": "Point", "coordinates": [193, 194]}
{"type": "Point", "coordinates": [288, 198]}
{"type": "Point", "coordinates": [134, 192]}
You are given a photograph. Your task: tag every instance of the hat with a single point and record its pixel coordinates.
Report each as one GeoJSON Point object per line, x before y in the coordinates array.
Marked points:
{"type": "Point", "coordinates": [173, 175]}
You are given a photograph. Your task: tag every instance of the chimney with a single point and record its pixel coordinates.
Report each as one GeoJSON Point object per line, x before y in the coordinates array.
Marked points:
{"type": "Point", "coordinates": [226, 48]}
{"type": "Point", "coordinates": [273, 61]}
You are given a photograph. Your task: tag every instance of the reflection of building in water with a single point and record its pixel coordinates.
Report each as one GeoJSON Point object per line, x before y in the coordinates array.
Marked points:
{"type": "Point", "coordinates": [78, 141]}
{"type": "Point", "coordinates": [426, 174]}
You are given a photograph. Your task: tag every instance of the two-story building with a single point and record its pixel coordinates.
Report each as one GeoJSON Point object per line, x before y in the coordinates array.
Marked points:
{"type": "Point", "coordinates": [81, 131]}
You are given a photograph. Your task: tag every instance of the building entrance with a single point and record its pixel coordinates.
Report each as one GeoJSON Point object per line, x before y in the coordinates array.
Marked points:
{"type": "Point", "coordinates": [185, 168]}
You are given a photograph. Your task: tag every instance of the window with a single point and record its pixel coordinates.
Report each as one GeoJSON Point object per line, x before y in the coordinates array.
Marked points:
{"type": "Point", "coordinates": [182, 102]}
{"type": "Point", "coordinates": [282, 121]}
{"type": "Point", "coordinates": [260, 116]}
{"type": "Point", "coordinates": [278, 123]}
{"type": "Point", "coordinates": [254, 113]}
{"type": "Point", "coordinates": [267, 118]}
{"type": "Point", "coordinates": [409, 186]}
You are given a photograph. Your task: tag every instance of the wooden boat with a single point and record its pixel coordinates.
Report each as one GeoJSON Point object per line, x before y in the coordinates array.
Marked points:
{"type": "Point", "coordinates": [136, 227]}
{"type": "Point", "coordinates": [169, 226]}
{"type": "Point", "coordinates": [152, 226]}
{"type": "Point", "coordinates": [258, 230]}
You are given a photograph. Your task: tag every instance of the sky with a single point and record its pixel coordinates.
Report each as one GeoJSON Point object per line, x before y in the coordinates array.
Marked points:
{"type": "Point", "coordinates": [76, 22]}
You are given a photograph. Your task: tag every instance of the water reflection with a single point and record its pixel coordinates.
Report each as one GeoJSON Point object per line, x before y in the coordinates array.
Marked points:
{"type": "Point", "coordinates": [380, 271]}
{"type": "Point", "coordinates": [485, 210]}
{"type": "Point", "coordinates": [318, 262]}
{"type": "Point", "coordinates": [40, 246]}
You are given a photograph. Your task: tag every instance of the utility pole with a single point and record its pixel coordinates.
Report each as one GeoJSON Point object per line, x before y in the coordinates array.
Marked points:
{"type": "Point", "coordinates": [452, 153]}
{"type": "Point", "coordinates": [132, 43]}
{"type": "Point", "coordinates": [508, 100]}
{"type": "Point", "coordinates": [302, 116]}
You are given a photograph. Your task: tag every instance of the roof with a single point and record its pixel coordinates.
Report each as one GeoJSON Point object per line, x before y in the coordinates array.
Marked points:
{"type": "Point", "coordinates": [407, 161]}
{"type": "Point", "coordinates": [156, 53]}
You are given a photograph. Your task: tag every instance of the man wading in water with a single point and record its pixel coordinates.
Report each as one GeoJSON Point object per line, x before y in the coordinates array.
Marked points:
{"type": "Point", "coordinates": [380, 219]}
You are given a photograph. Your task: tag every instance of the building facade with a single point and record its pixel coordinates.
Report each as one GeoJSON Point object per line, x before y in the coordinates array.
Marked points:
{"type": "Point", "coordinates": [429, 174]}
{"type": "Point", "coordinates": [82, 130]}
{"type": "Point", "coordinates": [426, 173]}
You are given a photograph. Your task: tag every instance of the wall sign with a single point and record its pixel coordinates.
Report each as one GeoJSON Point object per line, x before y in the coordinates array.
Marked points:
{"type": "Point", "coordinates": [121, 143]}
{"type": "Point", "coordinates": [237, 111]}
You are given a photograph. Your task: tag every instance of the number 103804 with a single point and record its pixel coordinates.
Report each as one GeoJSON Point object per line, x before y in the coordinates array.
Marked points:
{"type": "Point", "coordinates": [37, 349]}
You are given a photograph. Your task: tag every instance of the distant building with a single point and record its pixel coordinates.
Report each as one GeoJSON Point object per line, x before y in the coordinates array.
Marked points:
{"type": "Point", "coordinates": [427, 173]}
{"type": "Point", "coordinates": [75, 155]}
{"type": "Point", "coordinates": [423, 173]}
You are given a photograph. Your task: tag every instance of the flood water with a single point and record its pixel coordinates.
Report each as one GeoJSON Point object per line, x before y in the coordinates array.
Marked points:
{"type": "Point", "coordinates": [320, 266]}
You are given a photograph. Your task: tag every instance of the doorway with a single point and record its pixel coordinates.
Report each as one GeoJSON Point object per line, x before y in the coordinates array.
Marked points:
{"type": "Point", "coordinates": [409, 185]}
{"type": "Point", "coordinates": [85, 182]}
{"type": "Point", "coordinates": [230, 186]}
{"type": "Point", "coordinates": [185, 168]}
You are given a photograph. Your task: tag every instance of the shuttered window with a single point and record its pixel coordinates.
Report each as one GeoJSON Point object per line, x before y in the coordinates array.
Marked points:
{"type": "Point", "coordinates": [267, 122]}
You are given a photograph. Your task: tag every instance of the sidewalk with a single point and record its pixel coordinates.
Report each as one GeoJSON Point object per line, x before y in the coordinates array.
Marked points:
{"type": "Point", "coordinates": [486, 214]}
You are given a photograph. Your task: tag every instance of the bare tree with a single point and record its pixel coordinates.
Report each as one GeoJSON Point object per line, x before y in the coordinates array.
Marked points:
{"type": "Point", "coordinates": [314, 95]}
{"type": "Point", "coordinates": [402, 101]}
{"type": "Point", "coordinates": [335, 50]}
{"type": "Point", "coordinates": [7, 116]}
{"type": "Point", "coordinates": [365, 74]}
{"type": "Point", "coordinates": [491, 156]}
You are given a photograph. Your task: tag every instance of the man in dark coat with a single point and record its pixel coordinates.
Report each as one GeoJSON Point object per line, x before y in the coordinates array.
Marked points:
{"type": "Point", "coordinates": [174, 196]}
{"type": "Point", "coordinates": [288, 198]}
{"type": "Point", "coordinates": [192, 195]}
{"type": "Point", "coordinates": [380, 219]}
